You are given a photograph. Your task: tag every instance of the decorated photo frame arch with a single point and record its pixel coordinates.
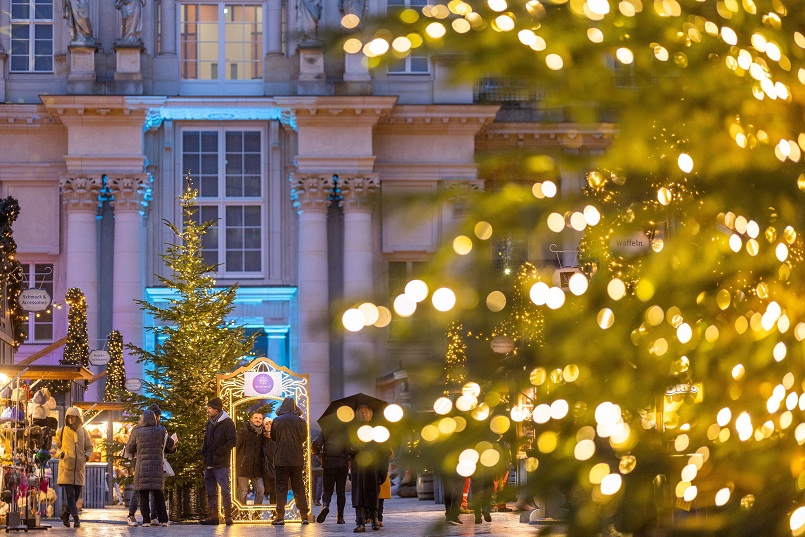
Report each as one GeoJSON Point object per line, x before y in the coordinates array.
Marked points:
{"type": "Point", "coordinates": [259, 383]}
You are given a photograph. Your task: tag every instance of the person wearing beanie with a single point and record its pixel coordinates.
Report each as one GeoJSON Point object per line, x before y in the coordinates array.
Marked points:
{"type": "Point", "coordinates": [219, 439]}
{"type": "Point", "coordinates": [75, 448]}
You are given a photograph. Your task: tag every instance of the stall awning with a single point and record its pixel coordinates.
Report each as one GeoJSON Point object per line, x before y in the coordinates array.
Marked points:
{"type": "Point", "coordinates": [100, 405]}
{"type": "Point", "coordinates": [46, 372]}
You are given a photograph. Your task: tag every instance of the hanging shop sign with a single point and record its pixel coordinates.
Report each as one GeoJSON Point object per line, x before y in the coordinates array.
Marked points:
{"type": "Point", "coordinates": [502, 344]}
{"type": "Point", "coordinates": [561, 277]}
{"type": "Point", "coordinates": [34, 300]}
{"type": "Point", "coordinates": [262, 384]}
{"type": "Point", "coordinates": [133, 385]}
{"type": "Point", "coordinates": [630, 244]}
{"type": "Point", "coordinates": [99, 357]}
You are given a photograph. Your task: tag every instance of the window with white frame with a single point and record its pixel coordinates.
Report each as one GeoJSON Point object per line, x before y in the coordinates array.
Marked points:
{"type": "Point", "coordinates": [415, 62]}
{"type": "Point", "coordinates": [39, 326]}
{"type": "Point", "coordinates": [226, 166]}
{"type": "Point", "coordinates": [31, 36]}
{"type": "Point", "coordinates": [222, 42]}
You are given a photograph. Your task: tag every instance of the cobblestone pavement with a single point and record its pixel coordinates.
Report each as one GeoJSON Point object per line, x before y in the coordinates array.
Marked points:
{"type": "Point", "coordinates": [407, 517]}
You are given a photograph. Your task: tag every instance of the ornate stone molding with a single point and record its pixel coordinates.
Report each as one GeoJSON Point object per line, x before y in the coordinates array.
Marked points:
{"type": "Point", "coordinates": [81, 193]}
{"type": "Point", "coordinates": [130, 191]}
{"type": "Point", "coordinates": [311, 192]}
{"type": "Point", "coordinates": [357, 191]}
{"type": "Point", "coordinates": [461, 189]}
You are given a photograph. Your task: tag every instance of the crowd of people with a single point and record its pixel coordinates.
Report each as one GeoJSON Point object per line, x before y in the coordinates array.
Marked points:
{"type": "Point", "coordinates": [270, 458]}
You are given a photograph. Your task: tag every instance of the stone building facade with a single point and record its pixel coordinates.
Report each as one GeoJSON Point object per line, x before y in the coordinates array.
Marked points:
{"type": "Point", "coordinates": [298, 151]}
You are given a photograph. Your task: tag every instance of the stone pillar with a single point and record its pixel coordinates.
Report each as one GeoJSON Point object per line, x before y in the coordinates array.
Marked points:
{"type": "Point", "coordinates": [311, 193]}
{"type": "Point", "coordinates": [129, 263]}
{"type": "Point", "coordinates": [360, 371]}
{"type": "Point", "coordinates": [274, 17]}
{"type": "Point", "coordinates": [80, 199]}
{"type": "Point", "coordinates": [168, 29]}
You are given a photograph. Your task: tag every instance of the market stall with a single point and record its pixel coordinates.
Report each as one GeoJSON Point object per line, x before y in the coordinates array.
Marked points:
{"type": "Point", "coordinates": [28, 419]}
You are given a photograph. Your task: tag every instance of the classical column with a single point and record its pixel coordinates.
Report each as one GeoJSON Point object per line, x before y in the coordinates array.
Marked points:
{"type": "Point", "coordinates": [311, 193]}
{"type": "Point", "coordinates": [168, 27]}
{"type": "Point", "coordinates": [129, 266]}
{"type": "Point", "coordinates": [80, 199]}
{"type": "Point", "coordinates": [274, 8]}
{"type": "Point", "coordinates": [360, 371]}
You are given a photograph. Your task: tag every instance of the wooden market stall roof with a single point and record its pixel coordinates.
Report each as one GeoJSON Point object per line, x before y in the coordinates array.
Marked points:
{"type": "Point", "coordinates": [100, 405]}
{"type": "Point", "coordinates": [46, 372]}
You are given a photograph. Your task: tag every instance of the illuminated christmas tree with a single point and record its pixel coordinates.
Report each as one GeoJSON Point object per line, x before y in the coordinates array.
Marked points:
{"type": "Point", "coordinates": [194, 342]}
{"type": "Point", "coordinates": [116, 370]}
{"type": "Point", "coordinates": [670, 374]}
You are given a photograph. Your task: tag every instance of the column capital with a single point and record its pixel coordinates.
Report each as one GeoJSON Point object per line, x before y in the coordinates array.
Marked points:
{"type": "Point", "coordinates": [357, 190]}
{"type": "Point", "coordinates": [130, 191]}
{"type": "Point", "coordinates": [80, 193]}
{"type": "Point", "coordinates": [311, 191]}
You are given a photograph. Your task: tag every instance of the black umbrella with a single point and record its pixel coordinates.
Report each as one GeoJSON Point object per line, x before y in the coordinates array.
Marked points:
{"type": "Point", "coordinates": [329, 417]}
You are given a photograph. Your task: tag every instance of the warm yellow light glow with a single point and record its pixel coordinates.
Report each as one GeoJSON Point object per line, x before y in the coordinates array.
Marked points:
{"type": "Point", "coordinates": [611, 484]}
{"type": "Point", "coordinates": [380, 434]}
{"type": "Point", "coordinates": [345, 414]}
{"type": "Point", "coordinates": [416, 290]}
{"type": "Point", "coordinates": [722, 497]}
{"type": "Point", "coordinates": [393, 413]}
{"type": "Point", "coordinates": [365, 433]}
{"type": "Point", "coordinates": [404, 306]}
{"type": "Point", "coordinates": [370, 313]}
{"type": "Point", "coordinates": [495, 301]}
{"type": "Point", "coordinates": [578, 284]}
{"type": "Point", "coordinates": [353, 320]}
{"type": "Point", "coordinates": [499, 424]}
{"type": "Point", "coordinates": [444, 299]}
{"type": "Point", "coordinates": [462, 245]}
{"type": "Point", "coordinates": [442, 405]}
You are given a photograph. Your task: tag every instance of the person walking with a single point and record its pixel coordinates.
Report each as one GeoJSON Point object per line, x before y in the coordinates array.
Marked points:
{"type": "Point", "coordinates": [134, 503]}
{"type": "Point", "coordinates": [75, 449]}
{"type": "Point", "coordinates": [289, 431]}
{"type": "Point", "coordinates": [269, 450]}
{"type": "Point", "coordinates": [148, 443]}
{"type": "Point", "coordinates": [249, 459]}
{"type": "Point", "coordinates": [219, 439]}
{"type": "Point", "coordinates": [369, 466]}
{"type": "Point", "coordinates": [331, 447]}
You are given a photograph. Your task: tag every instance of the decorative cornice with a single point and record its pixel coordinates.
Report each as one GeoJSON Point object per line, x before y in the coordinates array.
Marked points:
{"type": "Point", "coordinates": [427, 171]}
{"type": "Point", "coordinates": [81, 193]}
{"type": "Point", "coordinates": [311, 192]}
{"type": "Point", "coordinates": [454, 119]}
{"type": "Point", "coordinates": [357, 191]}
{"type": "Point", "coordinates": [565, 136]}
{"type": "Point", "coordinates": [24, 115]}
{"type": "Point", "coordinates": [336, 111]}
{"type": "Point", "coordinates": [130, 191]}
{"type": "Point", "coordinates": [91, 110]}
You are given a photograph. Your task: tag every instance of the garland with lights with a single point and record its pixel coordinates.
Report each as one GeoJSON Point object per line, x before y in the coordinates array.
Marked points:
{"type": "Point", "coordinates": [455, 359]}
{"type": "Point", "coordinates": [76, 348]}
{"type": "Point", "coordinates": [10, 267]}
{"type": "Point", "coordinates": [116, 370]}
{"type": "Point", "coordinates": [194, 342]}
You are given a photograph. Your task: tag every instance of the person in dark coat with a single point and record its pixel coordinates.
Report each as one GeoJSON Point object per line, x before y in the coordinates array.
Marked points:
{"type": "Point", "coordinates": [289, 431]}
{"type": "Point", "coordinates": [134, 503]}
{"type": "Point", "coordinates": [269, 473]}
{"type": "Point", "coordinates": [148, 442]}
{"type": "Point", "coordinates": [249, 459]}
{"type": "Point", "coordinates": [219, 439]}
{"type": "Point", "coordinates": [367, 475]}
{"type": "Point", "coordinates": [332, 446]}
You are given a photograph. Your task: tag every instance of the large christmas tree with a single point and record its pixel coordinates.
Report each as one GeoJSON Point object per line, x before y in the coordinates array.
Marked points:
{"type": "Point", "coordinates": [194, 342]}
{"type": "Point", "coordinates": [670, 373]}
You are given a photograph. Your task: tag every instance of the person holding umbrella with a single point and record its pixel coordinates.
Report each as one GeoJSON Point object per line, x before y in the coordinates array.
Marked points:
{"type": "Point", "coordinates": [366, 475]}
{"type": "Point", "coordinates": [289, 431]}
